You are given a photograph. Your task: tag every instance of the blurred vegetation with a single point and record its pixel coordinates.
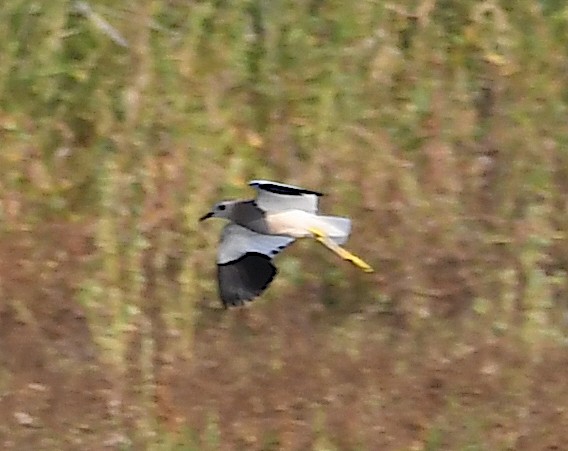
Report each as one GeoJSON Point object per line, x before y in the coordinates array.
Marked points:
{"type": "Point", "coordinates": [440, 127]}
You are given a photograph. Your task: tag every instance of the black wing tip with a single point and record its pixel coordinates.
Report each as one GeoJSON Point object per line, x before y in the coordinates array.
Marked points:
{"type": "Point", "coordinates": [244, 279]}
{"type": "Point", "coordinates": [280, 188]}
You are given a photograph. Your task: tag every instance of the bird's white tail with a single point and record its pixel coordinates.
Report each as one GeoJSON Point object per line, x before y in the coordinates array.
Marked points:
{"type": "Point", "coordinates": [335, 227]}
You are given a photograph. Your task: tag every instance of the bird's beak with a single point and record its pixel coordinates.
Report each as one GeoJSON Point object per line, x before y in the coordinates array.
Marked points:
{"type": "Point", "coordinates": [204, 217]}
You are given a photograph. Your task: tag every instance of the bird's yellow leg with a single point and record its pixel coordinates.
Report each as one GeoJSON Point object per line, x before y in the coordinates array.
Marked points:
{"type": "Point", "coordinates": [337, 249]}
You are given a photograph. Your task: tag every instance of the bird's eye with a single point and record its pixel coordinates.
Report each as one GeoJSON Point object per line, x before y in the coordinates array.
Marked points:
{"type": "Point", "coordinates": [222, 207]}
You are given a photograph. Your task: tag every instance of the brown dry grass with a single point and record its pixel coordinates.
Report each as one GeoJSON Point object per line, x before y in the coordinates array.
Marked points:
{"type": "Point", "coordinates": [282, 375]}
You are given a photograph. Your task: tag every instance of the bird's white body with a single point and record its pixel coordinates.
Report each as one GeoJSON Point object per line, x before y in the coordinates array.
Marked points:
{"type": "Point", "coordinates": [299, 223]}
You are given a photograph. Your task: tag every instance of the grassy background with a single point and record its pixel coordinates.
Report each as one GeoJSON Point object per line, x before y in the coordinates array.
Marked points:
{"type": "Point", "coordinates": [440, 127]}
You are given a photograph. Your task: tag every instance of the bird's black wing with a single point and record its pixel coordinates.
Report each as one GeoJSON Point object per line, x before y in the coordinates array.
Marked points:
{"type": "Point", "coordinates": [245, 278]}
{"type": "Point", "coordinates": [244, 263]}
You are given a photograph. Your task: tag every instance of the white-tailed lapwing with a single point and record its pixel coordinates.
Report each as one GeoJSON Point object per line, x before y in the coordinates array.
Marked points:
{"type": "Point", "coordinates": [263, 227]}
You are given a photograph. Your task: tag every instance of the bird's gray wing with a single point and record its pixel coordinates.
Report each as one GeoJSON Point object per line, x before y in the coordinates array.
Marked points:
{"type": "Point", "coordinates": [275, 197]}
{"type": "Point", "coordinates": [244, 263]}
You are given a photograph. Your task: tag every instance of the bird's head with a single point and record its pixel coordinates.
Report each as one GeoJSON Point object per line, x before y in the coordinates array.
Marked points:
{"type": "Point", "coordinates": [222, 209]}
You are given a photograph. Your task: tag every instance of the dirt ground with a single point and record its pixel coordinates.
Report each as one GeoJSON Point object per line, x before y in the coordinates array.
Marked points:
{"type": "Point", "coordinates": [280, 375]}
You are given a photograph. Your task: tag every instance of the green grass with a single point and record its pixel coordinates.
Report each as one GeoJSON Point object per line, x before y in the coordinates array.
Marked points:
{"type": "Point", "coordinates": [440, 127]}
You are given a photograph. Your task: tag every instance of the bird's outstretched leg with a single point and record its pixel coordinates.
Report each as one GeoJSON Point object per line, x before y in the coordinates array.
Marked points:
{"type": "Point", "coordinates": [337, 249]}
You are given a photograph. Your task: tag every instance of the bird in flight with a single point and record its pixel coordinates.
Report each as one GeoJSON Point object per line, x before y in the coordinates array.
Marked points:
{"type": "Point", "coordinates": [261, 228]}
